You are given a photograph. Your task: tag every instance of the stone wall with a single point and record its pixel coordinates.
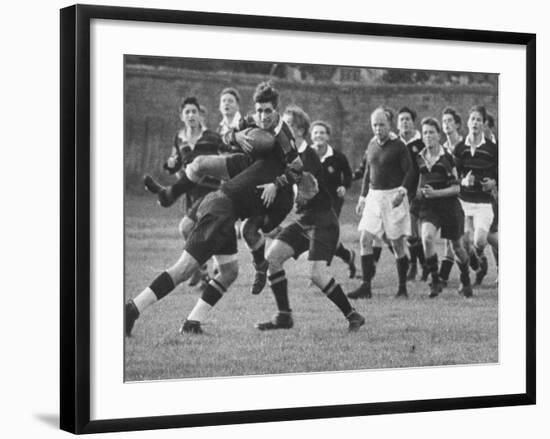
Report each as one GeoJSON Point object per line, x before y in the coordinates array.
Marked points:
{"type": "Point", "coordinates": [152, 96]}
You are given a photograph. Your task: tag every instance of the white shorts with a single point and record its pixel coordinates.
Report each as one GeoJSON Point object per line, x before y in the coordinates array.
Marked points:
{"type": "Point", "coordinates": [481, 213]}
{"type": "Point", "coordinates": [380, 217]}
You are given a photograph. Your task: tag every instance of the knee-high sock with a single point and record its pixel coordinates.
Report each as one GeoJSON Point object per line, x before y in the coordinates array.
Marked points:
{"type": "Point", "coordinates": [279, 286]}
{"type": "Point", "coordinates": [446, 266]}
{"type": "Point", "coordinates": [433, 268]}
{"type": "Point", "coordinates": [334, 292]}
{"type": "Point", "coordinates": [367, 265]}
{"type": "Point", "coordinates": [402, 268]}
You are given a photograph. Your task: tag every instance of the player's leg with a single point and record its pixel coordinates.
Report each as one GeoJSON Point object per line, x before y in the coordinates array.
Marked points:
{"type": "Point", "coordinates": [368, 265]}
{"type": "Point", "coordinates": [255, 242]}
{"type": "Point", "coordinates": [228, 270]}
{"type": "Point", "coordinates": [482, 224]}
{"type": "Point", "coordinates": [324, 238]}
{"type": "Point", "coordinates": [397, 226]}
{"type": "Point", "coordinates": [400, 248]}
{"type": "Point", "coordinates": [342, 252]}
{"type": "Point", "coordinates": [415, 248]}
{"type": "Point", "coordinates": [429, 232]}
{"type": "Point", "coordinates": [463, 261]}
{"type": "Point", "coordinates": [447, 263]}
{"type": "Point", "coordinates": [162, 285]}
{"type": "Point", "coordinates": [201, 167]}
{"type": "Point", "coordinates": [492, 239]}
{"type": "Point", "coordinates": [277, 253]}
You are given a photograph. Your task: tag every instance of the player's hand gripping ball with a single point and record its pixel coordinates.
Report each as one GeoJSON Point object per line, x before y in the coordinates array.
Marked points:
{"type": "Point", "coordinates": [261, 141]}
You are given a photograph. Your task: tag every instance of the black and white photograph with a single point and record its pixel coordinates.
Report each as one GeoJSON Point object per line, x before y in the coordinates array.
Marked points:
{"type": "Point", "coordinates": [284, 218]}
{"type": "Point", "coordinates": [278, 218]}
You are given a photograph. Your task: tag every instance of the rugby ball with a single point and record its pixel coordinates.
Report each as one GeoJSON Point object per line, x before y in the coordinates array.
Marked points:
{"type": "Point", "coordinates": [261, 140]}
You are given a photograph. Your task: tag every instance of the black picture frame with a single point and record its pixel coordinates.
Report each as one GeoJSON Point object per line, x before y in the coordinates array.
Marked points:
{"type": "Point", "coordinates": [75, 218]}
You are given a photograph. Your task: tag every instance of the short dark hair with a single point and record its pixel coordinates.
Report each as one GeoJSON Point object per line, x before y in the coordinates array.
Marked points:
{"type": "Point", "coordinates": [479, 109]}
{"type": "Point", "coordinates": [407, 110]}
{"type": "Point", "coordinates": [190, 100]}
{"type": "Point", "coordinates": [322, 123]}
{"type": "Point", "coordinates": [266, 92]}
{"type": "Point", "coordinates": [301, 119]}
{"type": "Point", "coordinates": [454, 113]}
{"type": "Point", "coordinates": [432, 121]}
{"type": "Point", "coordinates": [232, 91]}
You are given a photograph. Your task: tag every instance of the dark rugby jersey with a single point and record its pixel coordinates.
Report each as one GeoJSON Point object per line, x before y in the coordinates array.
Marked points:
{"type": "Point", "coordinates": [242, 189]}
{"type": "Point", "coordinates": [388, 166]}
{"type": "Point", "coordinates": [284, 149]}
{"type": "Point", "coordinates": [440, 174]}
{"type": "Point", "coordinates": [209, 143]}
{"type": "Point", "coordinates": [484, 163]}
{"type": "Point", "coordinates": [322, 200]}
{"type": "Point", "coordinates": [337, 171]}
{"type": "Point", "coordinates": [414, 145]}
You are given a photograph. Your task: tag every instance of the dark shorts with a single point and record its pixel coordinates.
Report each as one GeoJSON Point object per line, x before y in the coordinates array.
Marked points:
{"type": "Point", "coordinates": [319, 234]}
{"type": "Point", "coordinates": [191, 211]}
{"type": "Point", "coordinates": [414, 208]}
{"type": "Point", "coordinates": [444, 214]}
{"type": "Point", "coordinates": [237, 163]}
{"type": "Point", "coordinates": [494, 224]}
{"type": "Point", "coordinates": [279, 210]}
{"type": "Point", "coordinates": [214, 231]}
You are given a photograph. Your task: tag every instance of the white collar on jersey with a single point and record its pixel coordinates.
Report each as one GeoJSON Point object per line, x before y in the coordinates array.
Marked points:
{"type": "Point", "coordinates": [473, 148]}
{"type": "Point", "coordinates": [416, 136]}
{"type": "Point", "coordinates": [302, 147]}
{"type": "Point", "coordinates": [328, 153]}
{"type": "Point", "coordinates": [225, 125]}
{"type": "Point", "coordinates": [429, 159]}
{"type": "Point", "coordinates": [183, 135]}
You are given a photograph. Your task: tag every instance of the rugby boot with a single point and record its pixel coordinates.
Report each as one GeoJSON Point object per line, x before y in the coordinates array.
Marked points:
{"type": "Point", "coordinates": [363, 292]}
{"type": "Point", "coordinates": [161, 192]}
{"type": "Point", "coordinates": [281, 320]}
{"type": "Point", "coordinates": [131, 314]}
{"type": "Point", "coordinates": [191, 327]}
{"type": "Point", "coordinates": [355, 320]}
{"type": "Point", "coordinates": [260, 278]}
{"type": "Point", "coordinates": [435, 289]}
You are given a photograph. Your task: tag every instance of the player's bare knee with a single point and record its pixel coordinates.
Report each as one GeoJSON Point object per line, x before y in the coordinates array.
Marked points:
{"type": "Point", "coordinates": [318, 274]}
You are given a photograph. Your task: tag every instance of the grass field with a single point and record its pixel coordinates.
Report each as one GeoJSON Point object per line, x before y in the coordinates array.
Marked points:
{"type": "Point", "coordinates": [399, 333]}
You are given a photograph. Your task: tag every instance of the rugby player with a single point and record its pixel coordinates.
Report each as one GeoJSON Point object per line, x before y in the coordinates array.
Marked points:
{"type": "Point", "coordinates": [267, 117]}
{"type": "Point", "coordinates": [477, 165]}
{"type": "Point", "coordinates": [383, 204]}
{"type": "Point", "coordinates": [412, 138]}
{"type": "Point", "coordinates": [214, 235]}
{"type": "Point", "coordinates": [439, 207]}
{"type": "Point", "coordinates": [450, 122]}
{"type": "Point", "coordinates": [315, 230]}
{"type": "Point", "coordinates": [337, 176]}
